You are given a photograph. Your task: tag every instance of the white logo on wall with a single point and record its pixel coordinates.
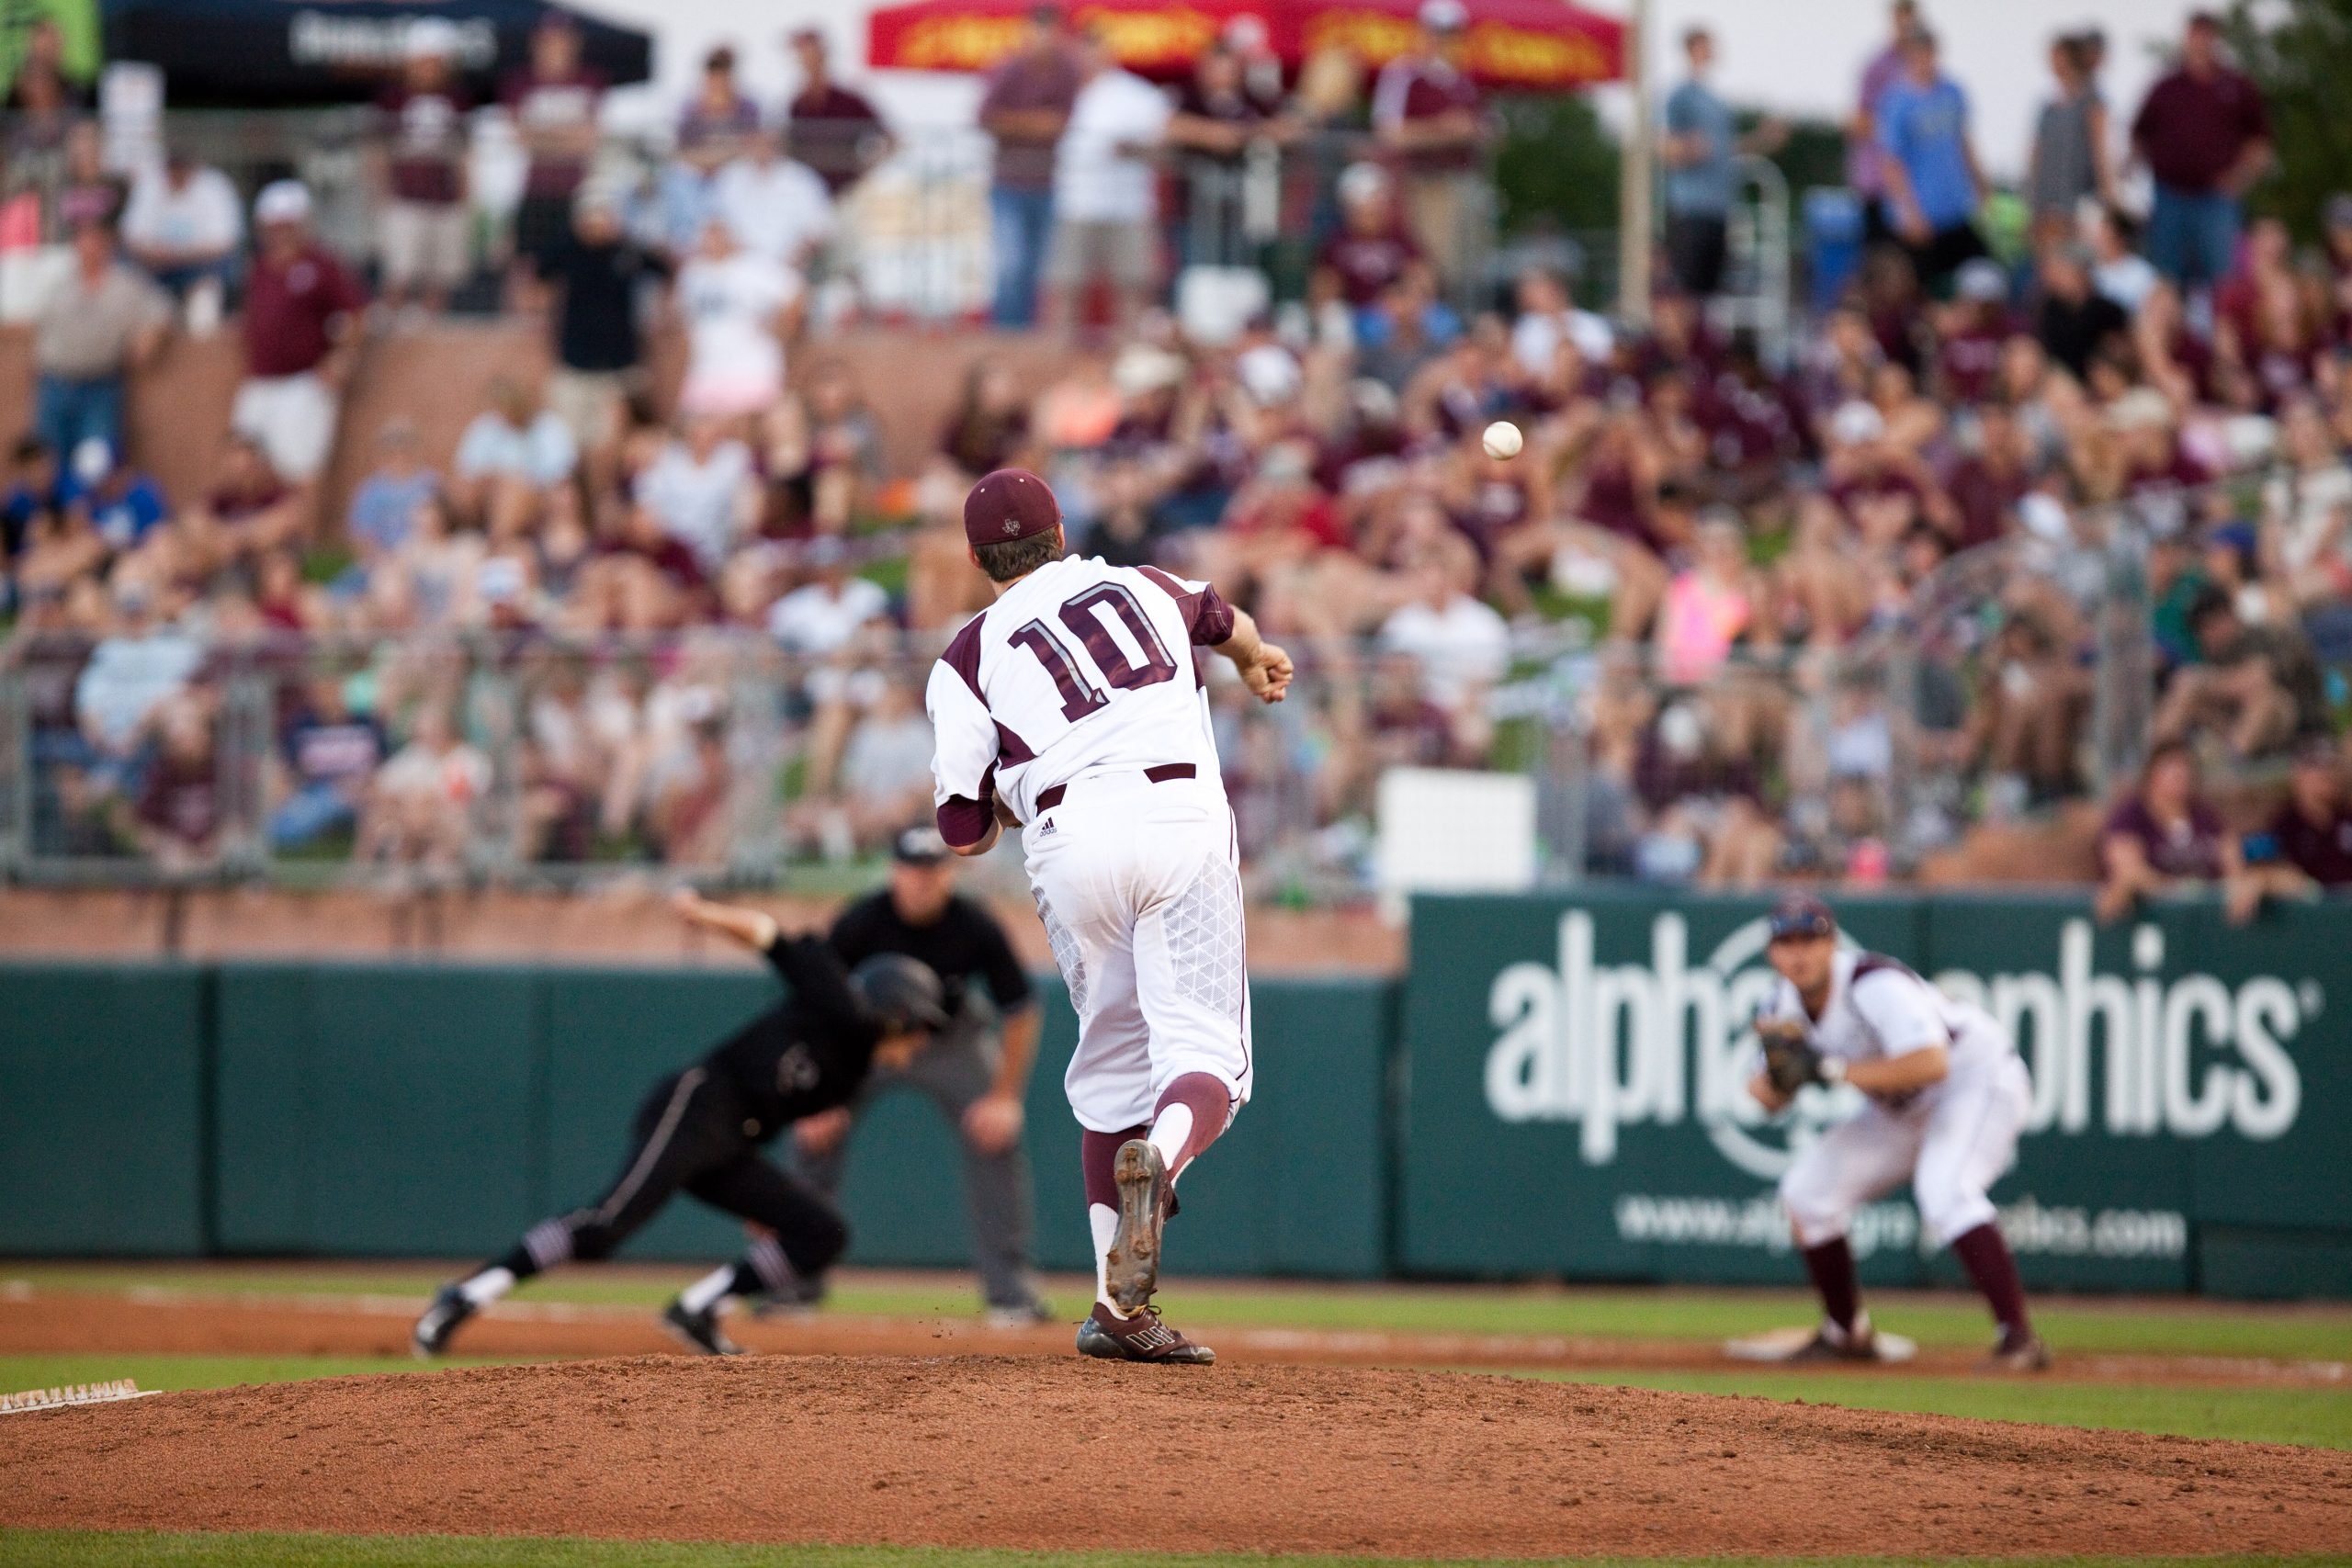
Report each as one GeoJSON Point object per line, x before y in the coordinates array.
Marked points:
{"type": "Point", "coordinates": [1614, 1045]}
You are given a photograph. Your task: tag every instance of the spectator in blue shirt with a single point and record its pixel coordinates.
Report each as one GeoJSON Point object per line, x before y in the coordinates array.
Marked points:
{"type": "Point", "coordinates": [384, 506]}
{"type": "Point", "coordinates": [121, 503]}
{"type": "Point", "coordinates": [1701, 150]}
{"type": "Point", "coordinates": [1933, 182]}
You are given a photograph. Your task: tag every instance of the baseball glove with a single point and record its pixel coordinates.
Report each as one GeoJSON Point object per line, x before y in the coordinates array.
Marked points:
{"type": "Point", "coordinates": [1789, 1060]}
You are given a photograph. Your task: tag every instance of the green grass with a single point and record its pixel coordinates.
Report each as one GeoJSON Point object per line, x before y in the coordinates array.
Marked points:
{"type": "Point", "coordinates": [2305, 1416]}
{"type": "Point", "coordinates": [83, 1549]}
{"type": "Point", "coordinates": [2288, 1333]}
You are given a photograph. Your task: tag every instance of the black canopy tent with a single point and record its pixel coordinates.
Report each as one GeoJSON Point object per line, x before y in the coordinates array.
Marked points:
{"type": "Point", "coordinates": [279, 54]}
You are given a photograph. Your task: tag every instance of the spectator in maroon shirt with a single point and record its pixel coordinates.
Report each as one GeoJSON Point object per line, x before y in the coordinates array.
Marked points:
{"type": "Point", "coordinates": [2165, 837]}
{"type": "Point", "coordinates": [835, 130]}
{"type": "Point", "coordinates": [554, 102]}
{"type": "Point", "coordinates": [2312, 835]}
{"type": "Point", "coordinates": [1372, 249]}
{"type": "Point", "coordinates": [1975, 325]}
{"type": "Point", "coordinates": [1026, 108]}
{"type": "Point", "coordinates": [178, 818]}
{"type": "Point", "coordinates": [1431, 120]}
{"type": "Point", "coordinates": [2206, 139]}
{"type": "Point", "coordinates": [302, 326]}
{"type": "Point", "coordinates": [422, 154]}
{"type": "Point", "coordinates": [1996, 475]}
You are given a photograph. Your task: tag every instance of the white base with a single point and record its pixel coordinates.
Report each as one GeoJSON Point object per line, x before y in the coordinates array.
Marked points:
{"type": "Point", "coordinates": [1780, 1343]}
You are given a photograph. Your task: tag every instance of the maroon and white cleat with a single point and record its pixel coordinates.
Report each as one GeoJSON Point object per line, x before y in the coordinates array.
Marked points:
{"type": "Point", "coordinates": [1142, 1338]}
{"type": "Point", "coordinates": [1131, 1269]}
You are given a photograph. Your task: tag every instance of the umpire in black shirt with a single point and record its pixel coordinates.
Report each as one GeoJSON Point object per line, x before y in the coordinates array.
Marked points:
{"type": "Point", "coordinates": [701, 1131]}
{"type": "Point", "coordinates": [976, 1070]}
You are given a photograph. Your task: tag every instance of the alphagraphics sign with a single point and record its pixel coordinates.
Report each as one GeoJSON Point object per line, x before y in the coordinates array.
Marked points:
{"type": "Point", "coordinates": [1611, 1046]}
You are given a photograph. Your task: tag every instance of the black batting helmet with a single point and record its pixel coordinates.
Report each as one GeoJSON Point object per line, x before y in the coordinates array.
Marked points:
{"type": "Point", "coordinates": [902, 993]}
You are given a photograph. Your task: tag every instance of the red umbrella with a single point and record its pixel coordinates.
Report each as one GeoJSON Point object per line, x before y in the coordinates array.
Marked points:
{"type": "Point", "coordinates": [1512, 44]}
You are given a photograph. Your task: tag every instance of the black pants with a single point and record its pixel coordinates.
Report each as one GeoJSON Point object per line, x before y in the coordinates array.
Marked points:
{"type": "Point", "coordinates": [691, 1137]}
{"type": "Point", "coordinates": [1942, 255]}
{"type": "Point", "coordinates": [1697, 246]}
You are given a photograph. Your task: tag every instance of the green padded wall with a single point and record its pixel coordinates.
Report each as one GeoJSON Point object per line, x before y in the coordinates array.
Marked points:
{"type": "Point", "coordinates": [102, 1109]}
{"type": "Point", "coordinates": [379, 1108]}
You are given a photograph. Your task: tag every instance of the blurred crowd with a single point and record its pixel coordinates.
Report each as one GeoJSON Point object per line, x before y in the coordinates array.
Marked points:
{"type": "Point", "coordinates": [625, 622]}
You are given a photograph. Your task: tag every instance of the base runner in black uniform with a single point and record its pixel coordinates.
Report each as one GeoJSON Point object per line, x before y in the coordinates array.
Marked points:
{"type": "Point", "coordinates": [701, 1131]}
{"type": "Point", "coordinates": [976, 1071]}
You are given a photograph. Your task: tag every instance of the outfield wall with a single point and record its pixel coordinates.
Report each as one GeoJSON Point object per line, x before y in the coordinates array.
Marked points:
{"type": "Point", "coordinates": [1555, 1091]}
{"type": "Point", "coordinates": [386, 1109]}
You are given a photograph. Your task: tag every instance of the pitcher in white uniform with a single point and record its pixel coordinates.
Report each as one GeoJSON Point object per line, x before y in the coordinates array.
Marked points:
{"type": "Point", "coordinates": [1947, 1095]}
{"type": "Point", "coordinates": [1073, 704]}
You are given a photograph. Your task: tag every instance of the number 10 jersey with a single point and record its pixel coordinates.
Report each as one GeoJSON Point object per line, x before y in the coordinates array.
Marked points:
{"type": "Point", "coordinates": [1078, 669]}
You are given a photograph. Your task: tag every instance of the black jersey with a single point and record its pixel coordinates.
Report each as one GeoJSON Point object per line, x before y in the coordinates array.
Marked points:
{"type": "Point", "coordinates": [807, 1053]}
{"type": "Point", "coordinates": [964, 941]}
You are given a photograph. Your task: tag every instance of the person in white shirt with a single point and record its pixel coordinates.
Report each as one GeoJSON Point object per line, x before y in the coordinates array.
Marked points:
{"type": "Point", "coordinates": [183, 223]}
{"type": "Point", "coordinates": [699, 488]}
{"type": "Point", "coordinates": [776, 206]}
{"type": "Point", "coordinates": [738, 308]}
{"type": "Point", "coordinates": [1105, 190]}
{"type": "Point", "coordinates": [2119, 271]}
{"type": "Point", "coordinates": [1461, 643]}
{"type": "Point", "coordinates": [1546, 316]}
{"type": "Point", "coordinates": [819, 618]}
{"type": "Point", "coordinates": [516, 438]}
{"type": "Point", "coordinates": [821, 621]}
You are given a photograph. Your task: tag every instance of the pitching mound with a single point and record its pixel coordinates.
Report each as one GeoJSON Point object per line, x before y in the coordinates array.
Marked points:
{"type": "Point", "coordinates": [1001, 1451]}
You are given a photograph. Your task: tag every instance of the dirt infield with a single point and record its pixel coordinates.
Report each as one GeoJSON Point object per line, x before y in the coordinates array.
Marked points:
{"type": "Point", "coordinates": [147, 1320]}
{"type": "Point", "coordinates": [1036, 1453]}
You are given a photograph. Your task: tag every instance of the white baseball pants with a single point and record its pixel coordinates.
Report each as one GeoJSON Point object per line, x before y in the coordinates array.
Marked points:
{"type": "Point", "coordinates": [1140, 886]}
{"type": "Point", "coordinates": [1953, 1144]}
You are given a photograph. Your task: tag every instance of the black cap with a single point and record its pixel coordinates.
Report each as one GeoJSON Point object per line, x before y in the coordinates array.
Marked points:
{"type": "Point", "coordinates": [918, 846]}
{"type": "Point", "coordinates": [1801, 915]}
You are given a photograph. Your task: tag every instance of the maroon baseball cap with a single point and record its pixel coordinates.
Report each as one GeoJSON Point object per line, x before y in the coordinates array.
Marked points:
{"type": "Point", "coordinates": [1801, 915]}
{"type": "Point", "coordinates": [1009, 504]}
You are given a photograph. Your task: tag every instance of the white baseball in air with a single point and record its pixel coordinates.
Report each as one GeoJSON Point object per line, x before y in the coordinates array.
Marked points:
{"type": "Point", "coordinates": [1503, 440]}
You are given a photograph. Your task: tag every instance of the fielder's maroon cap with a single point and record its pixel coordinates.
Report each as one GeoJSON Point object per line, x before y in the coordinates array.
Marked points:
{"type": "Point", "coordinates": [1011, 503]}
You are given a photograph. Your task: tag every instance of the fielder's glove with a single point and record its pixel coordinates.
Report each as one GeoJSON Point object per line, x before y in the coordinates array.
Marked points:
{"type": "Point", "coordinates": [1791, 1061]}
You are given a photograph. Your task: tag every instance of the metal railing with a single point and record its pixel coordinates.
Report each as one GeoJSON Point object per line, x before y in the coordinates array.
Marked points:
{"type": "Point", "coordinates": [540, 760]}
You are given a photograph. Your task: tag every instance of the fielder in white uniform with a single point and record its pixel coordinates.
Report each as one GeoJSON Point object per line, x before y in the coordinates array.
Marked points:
{"type": "Point", "coordinates": [1073, 704]}
{"type": "Point", "coordinates": [1947, 1097]}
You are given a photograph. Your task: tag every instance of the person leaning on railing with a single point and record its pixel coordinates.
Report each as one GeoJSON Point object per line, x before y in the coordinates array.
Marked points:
{"type": "Point", "coordinates": [833, 130]}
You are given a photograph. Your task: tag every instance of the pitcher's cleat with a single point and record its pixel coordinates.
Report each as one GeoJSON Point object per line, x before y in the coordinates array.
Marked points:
{"type": "Point", "coordinates": [430, 1337]}
{"type": "Point", "coordinates": [1142, 1338]}
{"type": "Point", "coordinates": [1131, 1269]}
{"type": "Point", "coordinates": [2018, 1353]}
{"type": "Point", "coordinates": [699, 1331]}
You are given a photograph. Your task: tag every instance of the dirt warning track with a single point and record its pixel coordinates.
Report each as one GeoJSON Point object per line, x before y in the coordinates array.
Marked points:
{"type": "Point", "coordinates": [1037, 1453]}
